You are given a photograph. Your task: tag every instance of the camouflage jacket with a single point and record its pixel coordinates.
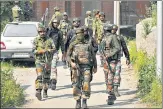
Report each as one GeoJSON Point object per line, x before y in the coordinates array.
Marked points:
{"type": "Point", "coordinates": [71, 51]}
{"type": "Point", "coordinates": [123, 47]}
{"type": "Point", "coordinates": [56, 35]}
{"type": "Point", "coordinates": [110, 46]}
{"type": "Point", "coordinates": [99, 27]}
{"type": "Point", "coordinates": [65, 26]}
{"type": "Point", "coordinates": [88, 22]}
{"type": "Point", "coordinates": [42, 44]}
{"type": "Point", "coordinates": [16, 10]}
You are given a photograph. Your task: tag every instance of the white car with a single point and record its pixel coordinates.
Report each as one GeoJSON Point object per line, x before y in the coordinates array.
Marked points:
{"type": "Point", "coordinates": [16, 40]}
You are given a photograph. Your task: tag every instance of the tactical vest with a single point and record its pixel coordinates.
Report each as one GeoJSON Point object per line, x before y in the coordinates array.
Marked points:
{"type": "Point", "coordinates": [107, 42]}
{"type": "Point", "coordinates": [82, 51]}
{"type": "Point", "coordinates": [64, 26]}
{"type": "Point", "coordinates": [40, 45]}
{"type": "Point", "coordinates": [54, 34]}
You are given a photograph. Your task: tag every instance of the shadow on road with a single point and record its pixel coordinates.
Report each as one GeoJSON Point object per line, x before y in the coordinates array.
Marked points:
{"type": "Point", "coordinates": [25, 87]}
{"type": "Point", "coordinates": [63, 87]}
{"type": "Point", "coordinates": [125, 102]}
{"type": "Point", "coordinates": [61, 96]}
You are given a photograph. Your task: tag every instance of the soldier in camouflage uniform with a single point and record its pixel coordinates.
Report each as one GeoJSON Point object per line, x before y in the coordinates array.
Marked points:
{"type": "Point", "coordinates": [89, 22]}
{"type": "Point", "coordinates": [57, 15]}
{"type": "Point", "coordinates": [71, 34]}
{"type": "Point", "coordinates": [81, 56]}
{"type": "Point", "coordinates": [65, 26]}
{"type": "Point", "coordinates": [110, 49]}
{"type": "Point", "coordinates": [117, 77]}
{"type": "Point", "coordinates": [16, 12]}
{"type": "Point", "coordinates": [99, 28]}
{"type": "Point", "coordinates": [43, 48]}
{"type": "Point", "coordinates": [95, 22]}
{"type": "Point", "coordinates": [57, 36]}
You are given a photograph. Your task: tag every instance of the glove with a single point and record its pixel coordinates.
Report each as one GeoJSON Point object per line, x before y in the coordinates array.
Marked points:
{"type": "Point", "coordinates": [41, 51]}
{"type": "Point", "coordinates": [127, 61]}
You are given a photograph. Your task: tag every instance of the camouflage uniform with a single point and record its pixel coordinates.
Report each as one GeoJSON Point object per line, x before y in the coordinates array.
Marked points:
{"type": "Point", "coordinates": [72, 33]}
{"type": "Point", "coordinates": [65, 26]}
{"type": "Point", "coordinates": [56, 35]}
{"type": "Point", "coordinates": [43, 48]}
{"type": "Point", "coordinates": [117, 77]}
{"type": "Point", "coordinates": [16, 12]}
{"type": "Point", "coordinates": [110, 48]}
{"type": "Point", "coordinates": [94, 24]}
{"type": "Point", "coordinates": [100, 32]}
{"type": "Point", "coordinates": [57, 15]}
{"type": "Point", "coordinates": [83, 55]}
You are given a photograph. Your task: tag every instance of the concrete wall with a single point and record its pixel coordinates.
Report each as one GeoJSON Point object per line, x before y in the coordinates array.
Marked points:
{"type": "Point", "coordinates": [147, 44]}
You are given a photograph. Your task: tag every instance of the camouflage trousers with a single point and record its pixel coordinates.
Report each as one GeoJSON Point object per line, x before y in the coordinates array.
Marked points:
{"type": "Point", "coordinates": [81, 83]}
{"type": "Point", "coordinates": [43, 76]}
{"type": "Point", "coordinates": [54, 66]}
{"type": "Point", "coordinates": [112, 75]}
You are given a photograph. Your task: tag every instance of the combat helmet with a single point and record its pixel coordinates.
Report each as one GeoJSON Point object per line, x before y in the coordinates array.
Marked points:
{"type": "Point", "coordinates": [55, 21]}
{"type": "Point", "coordinates": [102, 14]}
{"type": "Point", "coordinates": [65, 13]}
{"type": "Point", "coordinates": [88, 12]}
{"type": "Point", "coordinates": [107, 27]}
{"type": "Point", "coordinates": [76, 19]}
{"type": "Point", "coordinates": [114, 27]}
{"type": "Point", "coordinates": [56, 8]}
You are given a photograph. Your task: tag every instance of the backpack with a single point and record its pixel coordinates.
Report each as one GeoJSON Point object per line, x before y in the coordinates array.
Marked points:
{"type": "Point", "coordinates": [82, 51]}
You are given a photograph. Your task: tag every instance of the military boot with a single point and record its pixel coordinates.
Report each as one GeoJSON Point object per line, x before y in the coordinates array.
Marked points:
{"type": "Point", "coordinates": [116, 91]}
{"type": "Point", "coordinates": [53, 84]}
{"type": "Point", "coordinates": [111, 99]}
{"type": "Point", "coordinates": [78, 104]}
{"type": "Point", "coordinates": [84, 103]}
{"type": "Point", "coordinates": [38, 94]}
{"type": "Point", "coordinates": [45, 95]}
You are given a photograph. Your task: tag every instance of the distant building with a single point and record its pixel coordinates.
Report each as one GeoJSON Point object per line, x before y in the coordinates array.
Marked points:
{"type": "Point", "coordinates": [131, 11]}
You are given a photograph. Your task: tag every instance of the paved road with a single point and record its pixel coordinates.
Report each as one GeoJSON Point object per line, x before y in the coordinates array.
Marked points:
{"type": "Point", "coordinates": [62, 96]}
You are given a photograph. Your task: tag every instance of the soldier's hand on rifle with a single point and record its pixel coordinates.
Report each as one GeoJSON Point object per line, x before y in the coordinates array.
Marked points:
{"type": "Point", "coordinates": [73, 65]}
{"type": "Point", "coordinates": [41, 51]}
{"type": "Point", "coordinates": [127, 61]}
{"type": "Point", "coordinates": [94, 70]}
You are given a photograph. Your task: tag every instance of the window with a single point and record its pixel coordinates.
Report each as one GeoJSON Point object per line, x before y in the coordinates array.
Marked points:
{"type": "Point", "coordinates": [21, 30]}
{"type": "Point", "coordinates": [68, 7]}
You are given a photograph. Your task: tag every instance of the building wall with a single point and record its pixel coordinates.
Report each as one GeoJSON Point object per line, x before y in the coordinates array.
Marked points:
{"type": "Point", "coordinates": [78, 9]}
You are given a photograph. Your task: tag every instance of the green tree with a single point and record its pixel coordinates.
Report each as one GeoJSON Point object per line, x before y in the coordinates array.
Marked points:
{"type": "Point", "coordinates": [6, 13]}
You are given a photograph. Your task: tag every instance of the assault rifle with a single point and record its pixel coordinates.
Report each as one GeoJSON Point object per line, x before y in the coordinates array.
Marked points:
{"type": "Point", "coordinates": [75, 60]}
{"type": "Point", "coordinates": [44, 17]}
{"type": "Point", "coordinates": [106, 60]}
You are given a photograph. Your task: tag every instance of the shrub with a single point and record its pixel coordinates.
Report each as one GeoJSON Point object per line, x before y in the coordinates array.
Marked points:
{"type": "Point", "coordinates": [147, 73]}
{"type": "Point", "coordinates": [155, 95]}
{"type": "Point", "coordinates": [147, 26]}
{"type": "Point", "coordinates": [132, 51]}
{"type": "Point", "coordinates": [11, 93]}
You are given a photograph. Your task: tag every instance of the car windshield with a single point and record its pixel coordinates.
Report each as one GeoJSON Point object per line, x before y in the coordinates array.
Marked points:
{"type": "Point", "coordinates": [21, 30]}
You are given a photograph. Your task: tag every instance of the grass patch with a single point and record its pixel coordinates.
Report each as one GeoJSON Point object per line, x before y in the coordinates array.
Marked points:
{"type": "Point", "coordinates": [12, 94]}
{"type": "Point", "coordinates": [149, 87]}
